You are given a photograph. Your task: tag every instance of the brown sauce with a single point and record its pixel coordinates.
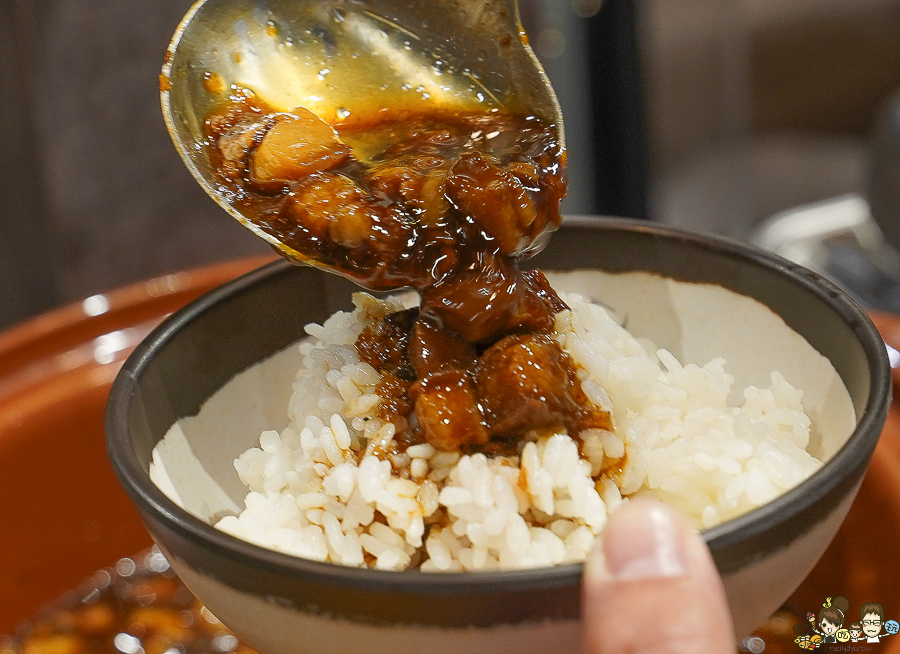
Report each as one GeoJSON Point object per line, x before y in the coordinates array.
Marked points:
{"type": "Point", "coordinates": [409, 200]}
{"type": "Point", "coordinates": [443, 202]}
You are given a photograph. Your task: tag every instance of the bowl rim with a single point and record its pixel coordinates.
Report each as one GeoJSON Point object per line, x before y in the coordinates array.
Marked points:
{"type": "Point", "coordinates": [851, 457]}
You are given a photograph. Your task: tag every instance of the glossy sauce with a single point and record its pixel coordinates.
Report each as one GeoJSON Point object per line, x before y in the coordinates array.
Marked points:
{"type": "Point", "coordinates": [421, 198]}
{"type": "Point", "coordinates": [448, 204]}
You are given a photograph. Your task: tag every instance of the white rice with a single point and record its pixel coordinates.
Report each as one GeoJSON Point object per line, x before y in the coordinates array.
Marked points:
{"type": "Point", "coordinates": [318, 490]}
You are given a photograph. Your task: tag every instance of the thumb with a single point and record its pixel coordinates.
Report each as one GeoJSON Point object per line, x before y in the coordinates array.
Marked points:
{"type": "Point", "coordinates": [650, 586]}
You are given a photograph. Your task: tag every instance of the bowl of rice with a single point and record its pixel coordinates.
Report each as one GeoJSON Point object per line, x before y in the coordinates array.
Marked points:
{"type": "Point", "coordinates": [745, 390]}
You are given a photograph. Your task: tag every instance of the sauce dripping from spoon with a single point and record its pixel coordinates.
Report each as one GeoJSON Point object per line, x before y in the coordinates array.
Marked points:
{"type": "Point", "coordinates": [446, 202]}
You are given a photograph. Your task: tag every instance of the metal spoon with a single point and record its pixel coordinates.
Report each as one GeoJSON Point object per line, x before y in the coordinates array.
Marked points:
{"type": "Point", "coordinates": [343, 59]}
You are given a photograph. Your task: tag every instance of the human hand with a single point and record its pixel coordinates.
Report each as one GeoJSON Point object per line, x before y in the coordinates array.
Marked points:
{"type": "Point", "coordinates": [650, 587]}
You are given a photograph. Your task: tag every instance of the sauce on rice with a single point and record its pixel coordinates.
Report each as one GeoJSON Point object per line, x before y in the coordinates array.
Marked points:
{"type": "Point", "coordinates": [448, 204]}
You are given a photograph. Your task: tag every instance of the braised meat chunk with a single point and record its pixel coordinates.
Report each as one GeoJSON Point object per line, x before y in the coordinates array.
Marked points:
{"type": "Point", "coordinates": [496, 200]}
{"type": "Point", "coordinates": [527, 383]}
{"type": "Point", "coordinates": [432, 347]}
{"type": "Point", "coordinates": [447, 410]}
{"type": "Point", "coordinates": [418, 182]}
{"type": "Point", "coordinates": [490, 299]}
{"type": "Point", "coordinates": [297, 145]}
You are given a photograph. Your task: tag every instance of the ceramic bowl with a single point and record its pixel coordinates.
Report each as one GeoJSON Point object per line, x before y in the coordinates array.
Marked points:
{"type": "Point", "coordinates": [211, 369]}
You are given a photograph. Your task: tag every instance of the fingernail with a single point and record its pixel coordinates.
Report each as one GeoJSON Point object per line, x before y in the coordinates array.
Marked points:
{"type": "Point", "coordinates": [644, 542]}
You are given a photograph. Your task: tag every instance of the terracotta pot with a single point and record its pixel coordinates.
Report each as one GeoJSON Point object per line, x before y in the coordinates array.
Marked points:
{"type": "Point", "coordinates": [64, 513]}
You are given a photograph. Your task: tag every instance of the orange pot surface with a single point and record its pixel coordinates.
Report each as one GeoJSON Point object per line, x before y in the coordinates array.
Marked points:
{"type": "Point", "coordinates": [64, 513]}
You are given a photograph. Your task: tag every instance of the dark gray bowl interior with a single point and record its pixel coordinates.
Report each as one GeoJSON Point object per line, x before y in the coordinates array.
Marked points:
{"type": "Point", "coordinates": [196, 351]}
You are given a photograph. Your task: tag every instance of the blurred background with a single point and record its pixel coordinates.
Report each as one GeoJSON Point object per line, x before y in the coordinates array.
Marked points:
{"type": "Point", "coordinates": [707, 114]}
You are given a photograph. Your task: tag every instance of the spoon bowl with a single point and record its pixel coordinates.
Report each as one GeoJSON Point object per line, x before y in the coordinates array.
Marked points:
{"type": "Point", "coordinates": [346, 61]}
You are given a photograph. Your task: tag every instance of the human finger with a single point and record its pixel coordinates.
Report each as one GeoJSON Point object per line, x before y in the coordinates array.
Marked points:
{"type": "Point", "coordinates": [650, 586]}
